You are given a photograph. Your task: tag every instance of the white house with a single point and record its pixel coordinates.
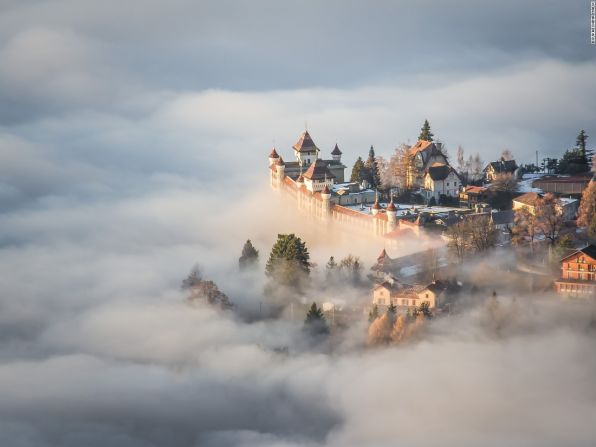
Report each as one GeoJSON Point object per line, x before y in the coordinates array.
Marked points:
{"type": "Point", "coordinates": [441, 179]}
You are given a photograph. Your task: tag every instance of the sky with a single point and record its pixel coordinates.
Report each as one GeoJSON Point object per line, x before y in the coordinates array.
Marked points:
{"type": "Point", "coordinates": [133, 144]}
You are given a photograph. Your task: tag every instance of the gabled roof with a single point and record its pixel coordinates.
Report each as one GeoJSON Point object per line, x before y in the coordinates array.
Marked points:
{"type": "Point", "coordinates": [590, 251]}
{"type": "Point", "coordinates": [439, 171]}
{"type": "Point", "coordinates": [529, 198]}
{"type": "Point", "coordinates": [421, 145]}
{"type": "Point", "coordinates": [318, 170]}
{"type": "Point", "coordinates": [436, 287]}
{"type": "Point", "coordinates": [336, 150]}
{"type": "Point", "coordinates": [502, 166]}
{"type": "Point", "coordinates": [383, 256]}
{"type": "Point", "coordinates": [305, 143]}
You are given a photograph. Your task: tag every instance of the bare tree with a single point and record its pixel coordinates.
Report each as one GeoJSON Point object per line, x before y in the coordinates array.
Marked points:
{"type": "Point", "coordinates": [525, 227]}
{"type": "Point", "coordinates": [458, 239]}
{"type": "Point", "coordinates": [550, 217]}
{"type": "Point", "coordinates": [399, 166]}
{"type": "Point", "coordinates": [476, 166]}
{"type": "Point", "coordinates": [461, 162]}
{"type": "Point", "coordinates": [383, 167]}
{"type": "Point", "coordinates": [505, 182]}
{"type": "Point", "coordinates": [506, 155]}
{"type": "Point", "coordinates": [482, 233]}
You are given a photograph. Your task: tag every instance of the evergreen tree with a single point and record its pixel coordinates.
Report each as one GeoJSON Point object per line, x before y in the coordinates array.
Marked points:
{"type": "Point", "coordinates": [289, 260]}
{"type": "Point", "coordinates": [372, 169]}
{"type": "Point", "coordinates": [424, 309]}
{"type": "Point", "coordinates": [580, 141]}
{"type": "Point", "coordinates": [249, 256]}
{"type": "Point", "coordinates": [358, 171]}
{"type": "Point", "coordinates": [425, 132]}
{"type": "Point", "coordinates": [331, 269]}
{"type": "Point", "coordinates": [373, 314]}
{"type": "Point", "coordinates": [391, 310]}
{"type": "Point", "coordinates": [315, 323]}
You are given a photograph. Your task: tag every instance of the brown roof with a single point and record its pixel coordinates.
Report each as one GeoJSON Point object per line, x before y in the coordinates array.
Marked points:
{"type": "Point", "coordinates": [273, 154]}
{"type": "Point", "coordinates": [305, 143]}
{"type": "Point", "coordinates": [391, 207]}
{"type": "Point", "coordinates": [529, 198]}
{"type": "Point", "coordinates": [376, 205]}
{"type": "Point", "coordinates": [318, 170]}
{"type": "Point", "coordinates": [475, 189]}
{"type": "Point", "coordinates": [420, 146]}
{"type": "Point", "coordinates": [326, 190]}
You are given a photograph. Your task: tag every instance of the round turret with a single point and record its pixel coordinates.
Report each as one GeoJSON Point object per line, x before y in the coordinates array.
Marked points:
{"type": "Point", "coordinates": [273, 157]}
{"type": "Point", "coordinates": [391, 206]}
{"type": "Point", "coordinates": [375, 208]}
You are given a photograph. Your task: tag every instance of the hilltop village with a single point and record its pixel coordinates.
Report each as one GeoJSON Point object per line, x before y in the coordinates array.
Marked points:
{"type": "Point", "coordinates": [444, 233]}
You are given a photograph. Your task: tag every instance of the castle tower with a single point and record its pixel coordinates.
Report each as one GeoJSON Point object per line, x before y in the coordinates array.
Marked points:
{"type": "Point", "coordinates": [305, 149]}
{"type": "Point", "coordinates": [336, 154]}
{"type": "Point", "coordinates": [280, 168]}
{"type": "Point", "coordinates": [376, 207]}
{"type": "Point", "coordinates": [391, 212]}
{"type": "Point", "coordinates": [326, 196]}
{"type": "Point", "coordinates": [273, 157]}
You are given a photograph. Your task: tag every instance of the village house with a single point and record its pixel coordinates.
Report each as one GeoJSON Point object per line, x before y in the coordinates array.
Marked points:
{"type": "Point", "coordinates": [408, 297]}
{"type": "Point", "coordinates": [495, 168]}
{"type": "Point", "coordinates": [578, 274]}
{"type": "Point", "coordinates": [423, 155]}
{"type": "Point", "coordinates": [441, 179]}
{"type": "Point", "coordinates": [567, 207]}
{"type": "Point", "coordinates": [472, 195]}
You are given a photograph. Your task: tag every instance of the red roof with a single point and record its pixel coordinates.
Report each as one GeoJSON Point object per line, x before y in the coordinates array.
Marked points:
{"type": "Point", "coordinates": [326, 190]}
{"type": "Point", "coordinates": [391, 207]}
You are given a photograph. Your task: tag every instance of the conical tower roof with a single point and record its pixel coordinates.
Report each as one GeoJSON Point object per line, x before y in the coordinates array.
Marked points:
{"type": "Point", "coordinates": [336, 150]}
{"type": "Point", "coordinates": [305, 143]}
{"type": "Point", "coordinates": [273, 153]}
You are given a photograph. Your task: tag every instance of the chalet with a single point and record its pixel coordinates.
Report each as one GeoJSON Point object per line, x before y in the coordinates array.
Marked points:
{"type": "Point", "coordinates": [495, 168]}
{"type": "Point", "coordinates": [578, 274]}
{"type": "Point", "coordinates": [441, 179]}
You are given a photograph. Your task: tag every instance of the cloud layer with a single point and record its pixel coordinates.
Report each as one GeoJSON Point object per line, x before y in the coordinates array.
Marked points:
{"type": "Point", "coordinates": [132, 145]}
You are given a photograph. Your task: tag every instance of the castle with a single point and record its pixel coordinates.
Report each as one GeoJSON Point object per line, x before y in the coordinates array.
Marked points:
{"type": "Point", "coordinates": [318, 186]}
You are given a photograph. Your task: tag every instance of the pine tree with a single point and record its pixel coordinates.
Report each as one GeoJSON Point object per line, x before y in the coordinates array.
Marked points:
{"type": "Point", "coordinates": [391, 310]}
{"type": "Point", "coordinates": [358, 171]}
{"type": "Point", "coordinates": [580, 142]}
{"type": "Point", "coordinates": [373, 314]}
{"type": "Point", "coordinates": [372, 169]}
{"type": "Point", "coordinates": [315, 323]}
{"type": "Point", "coordinates": [426, 133]}
{"type": "Point", "coordinates": [289, 260]}
{"type": "Point", "coordinates": [249, 256]}
{"type": "Point", "coordinates": [331, 269]}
